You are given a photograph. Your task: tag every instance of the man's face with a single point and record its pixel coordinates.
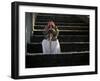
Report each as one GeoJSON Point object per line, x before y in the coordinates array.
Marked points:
{"type": "Point", "coordinates": [51, 24]}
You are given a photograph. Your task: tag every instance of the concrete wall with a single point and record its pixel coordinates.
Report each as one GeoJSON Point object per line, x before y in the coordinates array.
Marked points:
{"type": "Point", "coordinates": [28, 26]}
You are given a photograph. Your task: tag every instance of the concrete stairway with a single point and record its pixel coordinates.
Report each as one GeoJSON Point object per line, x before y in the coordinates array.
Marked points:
{"type": "Point", "coordinates": [73, 38]}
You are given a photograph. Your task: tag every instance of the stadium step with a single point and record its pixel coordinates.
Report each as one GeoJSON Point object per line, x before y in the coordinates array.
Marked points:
{"type": "Point", "coordinates": [62, 38]}
{"type": "Point", "coordinates": [65, 47]}
{"type": "Point", "coordinates": [65, 32]}
{"type": "Point", "coordinates": [52, 60]}
{"type": "Point", "coordinates": [62, 23]}
{"type": "Point", "coordinates": [58, 18]}
{"type": "Point", "coordinates": [62, 27]}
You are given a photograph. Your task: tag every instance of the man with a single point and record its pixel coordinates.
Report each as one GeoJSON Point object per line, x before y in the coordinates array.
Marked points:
{"type": "Point", "coordinates": [50, 44]}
